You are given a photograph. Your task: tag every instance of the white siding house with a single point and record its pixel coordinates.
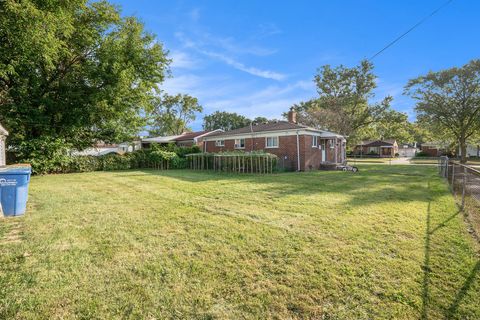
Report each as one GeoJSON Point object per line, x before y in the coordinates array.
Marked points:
{"type": "Point", "coordinates": [3, 136]}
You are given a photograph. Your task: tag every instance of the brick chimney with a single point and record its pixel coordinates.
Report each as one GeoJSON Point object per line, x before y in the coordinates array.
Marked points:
{"type": "Point", "coordinates": [292, 116]}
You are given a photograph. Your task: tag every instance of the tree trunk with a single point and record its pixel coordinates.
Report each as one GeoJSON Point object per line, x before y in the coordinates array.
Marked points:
{"type": "Point", "coordinates": [463, 150]}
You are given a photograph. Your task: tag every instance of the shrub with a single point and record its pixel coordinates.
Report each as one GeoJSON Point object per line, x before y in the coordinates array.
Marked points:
{"type": "Point", "coordinates": [114, 161]}
{"type": "Point", "coordinates": [85, 164]}
{"type": "Point", "coordinates": [422, 154]}
{"type": "Point", "coordinates": [45, 155]}
{"type": "Point", "coordinates": [48, 155]}
{"type": "Point", "coordinates": [180, 151]}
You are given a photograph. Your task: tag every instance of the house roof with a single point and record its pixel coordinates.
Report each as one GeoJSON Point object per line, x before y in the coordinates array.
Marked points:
{"type": "Point", "coordinates": [186, 136]}
{"type": "Point", "coordinates": [161, 139]}
{"type": "Point", "coordinates": [272, 126]}
{"type": "Point", "coordinates": [435, 144]}
{"type": "Point", "coordinates": [406, 146]}
{"type": "Point", "coordinates": [377, 143]}
{"type": "Point", "coordinates": [192, 135]}
{"type": "Point", "coordinates": [261, 127]}
{"type": "Point", "coordinates": [3, 132]}
{"type": "Point", "coordinates": [96, 151]}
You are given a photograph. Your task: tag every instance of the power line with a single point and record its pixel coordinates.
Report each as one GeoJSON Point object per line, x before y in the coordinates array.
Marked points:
{"type": "Point", "coordinates": [411, 29]}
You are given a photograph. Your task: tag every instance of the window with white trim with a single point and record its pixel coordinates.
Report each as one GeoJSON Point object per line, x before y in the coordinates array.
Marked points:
{"type": "Point", "coordinates": [271, 142]}
{"type": "Point", "coordinates": [239, 143]}
{"type": "Point", "coordinates": [315, 141]}
{"type": "Point", "coordinates": [332, 143]}
{"type": "Point", "coordinates": [220, 143]}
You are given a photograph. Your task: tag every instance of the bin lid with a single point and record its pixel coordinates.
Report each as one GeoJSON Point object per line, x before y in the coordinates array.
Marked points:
{"type": "Point", "coordinates": [16, 169]}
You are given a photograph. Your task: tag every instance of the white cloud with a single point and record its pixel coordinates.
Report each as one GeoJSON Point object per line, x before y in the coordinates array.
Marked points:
{"type": "Point", "coordinates": [270, 102]}
{"type": "Point", "coordinates": [221, 93]}
{"type": "Point", "coordinates": [182, 60]}
{"type": "Point", "coordinates": [240, 66]}
{"type": "Point", "coordinates": [181, 84]}
{"type": "Point", "coordinates": [267, 30]}
{"type": "Point", "coordinates": [229, 60]}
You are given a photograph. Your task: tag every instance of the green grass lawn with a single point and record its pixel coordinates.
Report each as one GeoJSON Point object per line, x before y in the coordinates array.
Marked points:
{"type": "Point", "coordinates": [385, 243]}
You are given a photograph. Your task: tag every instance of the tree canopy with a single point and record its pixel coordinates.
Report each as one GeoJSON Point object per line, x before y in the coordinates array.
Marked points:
{"type": "Point", "coordinates": [393, 124]}
{"type": "Point", "coordinates": [344, 103]}
{"type": "Point", "coordinates": [75, 71]}
{"type": "Point", "coordinates": [450, 101]}
{"type": "Point", "coordinates": [225, 121]}
{"type": "Point", "coordinates": [173, 114]}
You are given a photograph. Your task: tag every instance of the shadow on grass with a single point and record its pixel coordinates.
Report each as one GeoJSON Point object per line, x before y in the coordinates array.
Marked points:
{"type": "Point", "coordinates": [453, 308]}
{"type": "Point", "coordinates": [426, 267]}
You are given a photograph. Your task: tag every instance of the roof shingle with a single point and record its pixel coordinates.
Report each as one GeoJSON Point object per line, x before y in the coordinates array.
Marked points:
{"type": "Point", "coordinates": [262, 127]}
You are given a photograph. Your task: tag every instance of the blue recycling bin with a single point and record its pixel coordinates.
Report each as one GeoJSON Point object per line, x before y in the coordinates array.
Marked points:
{"type": "Point", "coordinates": [14, 181]}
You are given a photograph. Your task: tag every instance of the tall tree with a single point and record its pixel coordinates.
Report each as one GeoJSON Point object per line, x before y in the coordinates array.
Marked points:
{"type": "Point", "coordinates": [75, 72]}
{"type": "Point", "coordinates": [173, 114]}
{"type": "Point", "coordinates": [421, 133]}
{"type": "Point", "coordinates": [225, 121]}
{"type": "Point", "coordinates": [394, 125]}
{"type": "Point", "coordinates": [450, 100]}
{"type": "Point", "coordinates": [344, 102]}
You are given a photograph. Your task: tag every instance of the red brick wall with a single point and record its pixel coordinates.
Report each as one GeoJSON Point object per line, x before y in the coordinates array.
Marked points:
{"type": "Point", "coordinates": [310, 158]}
{"type": "Point", "coordinates": [431, 151]}
{"type": "Point", "coordinates": [287, 150]}
{"type": "Point", "coordinates": [313, 155]}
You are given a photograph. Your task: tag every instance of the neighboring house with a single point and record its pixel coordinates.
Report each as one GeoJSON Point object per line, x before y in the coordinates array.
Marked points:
{"type": "Point", "coordinates": [434, 149]}
{"type": "Point", "coordinates": [186, 139]}
{"type": "Point", "coordinates": [3, 137]}
{"type": "Point", "coordinates": [101, 149]}
{"type": "Point", "coordinates": [407, 150]}
{"type": "Point", "coordinates": [380, 148]}
{"type": "Point", "coordinates": [437, 149]}
{"type": "Point", "coordinates": [473, 150]}
{"type": "Point", "coordinates": [298, 147]}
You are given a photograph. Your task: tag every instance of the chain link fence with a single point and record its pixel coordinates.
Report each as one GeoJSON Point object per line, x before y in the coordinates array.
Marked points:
{"type": "Point", "coordinates": [464, 182]}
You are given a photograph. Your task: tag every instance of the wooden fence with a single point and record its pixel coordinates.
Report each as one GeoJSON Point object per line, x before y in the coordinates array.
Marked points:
{"type": "Point", "coordinates": [233, 163]}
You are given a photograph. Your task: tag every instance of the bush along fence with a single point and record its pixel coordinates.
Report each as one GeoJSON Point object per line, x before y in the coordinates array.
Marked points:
{"type": "Point", "coordinates": [464, 182]}
{"type": "Point", "coordinates": [141, 159]}
{"type": "Point", "coordinates": [234, 162]}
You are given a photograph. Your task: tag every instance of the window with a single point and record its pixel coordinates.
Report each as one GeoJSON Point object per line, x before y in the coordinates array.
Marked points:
{"type": "Point", "coordinates": [315, 141]}
{"type": "Point", "coordinates": [332, 143]}
{"type": "Point", "coordinates": [220, 143]}
{"type": "Point", "coordinates": [239, 143]}
{"type": "Point", "coordinates": [271, 142]}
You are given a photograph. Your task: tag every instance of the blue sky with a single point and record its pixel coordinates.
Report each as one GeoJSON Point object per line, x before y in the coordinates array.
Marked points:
{"type": "Point", "coordinates": [257, 58]}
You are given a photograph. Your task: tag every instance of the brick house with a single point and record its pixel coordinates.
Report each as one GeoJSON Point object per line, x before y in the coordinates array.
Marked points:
{"type": "Point", "coordinates": [380, 148]}
{"type": "Point", "coordinates": [3, 136]}
{"type": "Point", "coordinates": [298, 147]}
{"type": "Point", "coordinates": [186, 139]}
{"type": "Point", "coordinates": [434, 149]}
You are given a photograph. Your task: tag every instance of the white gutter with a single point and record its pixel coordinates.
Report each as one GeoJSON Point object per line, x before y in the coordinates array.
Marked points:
{"type": "Point", "coordinates": [298, 152]}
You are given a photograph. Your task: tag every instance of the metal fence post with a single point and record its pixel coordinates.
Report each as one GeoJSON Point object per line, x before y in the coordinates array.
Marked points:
{"type": "Point", "coordinates": [453, 177]}
{"type": "Point", "coordinates": [446, 168]}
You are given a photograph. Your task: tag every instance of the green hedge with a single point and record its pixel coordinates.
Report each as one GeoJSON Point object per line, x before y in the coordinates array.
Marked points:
{"type": "Point", "coordinates": [156, 157]}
